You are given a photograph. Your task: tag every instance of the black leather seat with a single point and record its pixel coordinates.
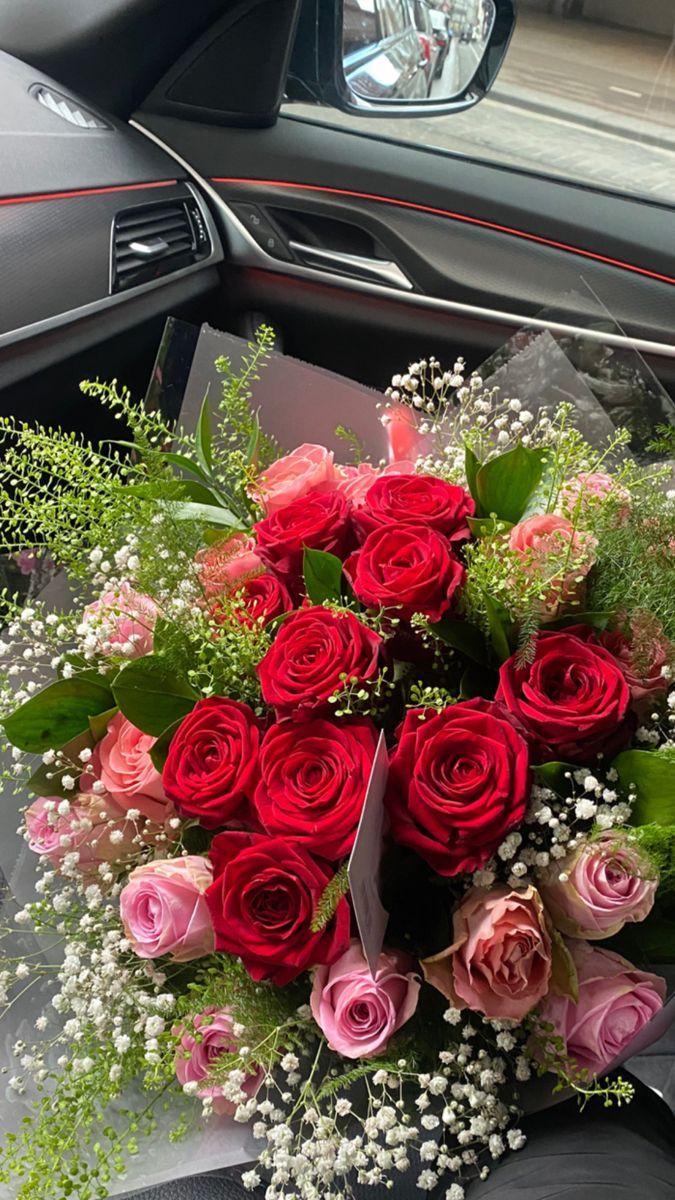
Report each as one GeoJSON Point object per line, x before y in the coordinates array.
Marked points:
{"type": "Point", "coordinates": [599, 1154]}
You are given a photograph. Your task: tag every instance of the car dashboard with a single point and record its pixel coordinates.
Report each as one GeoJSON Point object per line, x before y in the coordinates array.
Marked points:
{"type": "Point", "coordinates": [99, 227]}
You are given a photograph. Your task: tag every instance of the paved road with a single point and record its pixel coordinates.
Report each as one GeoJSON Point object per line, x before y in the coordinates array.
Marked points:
{"type": "Point", "coordinates": [553, 109]}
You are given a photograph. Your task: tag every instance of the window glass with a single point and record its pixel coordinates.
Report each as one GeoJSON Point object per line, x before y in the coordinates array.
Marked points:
{"type": "Point", "coordinates": [586, 92]}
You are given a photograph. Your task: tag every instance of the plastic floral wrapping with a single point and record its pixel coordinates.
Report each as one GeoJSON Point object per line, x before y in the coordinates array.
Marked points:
{"type": "Point", "coordinates": [300, 406]}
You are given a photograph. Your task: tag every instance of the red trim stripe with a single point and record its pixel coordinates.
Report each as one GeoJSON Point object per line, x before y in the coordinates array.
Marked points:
{"type": "Point", "coordinates": [38, 198]}
{"type": "Point", "coordinates": [454, 216]}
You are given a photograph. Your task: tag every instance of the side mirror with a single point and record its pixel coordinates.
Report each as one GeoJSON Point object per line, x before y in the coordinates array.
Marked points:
{"type": "Point", "coordinates": [399, 57]}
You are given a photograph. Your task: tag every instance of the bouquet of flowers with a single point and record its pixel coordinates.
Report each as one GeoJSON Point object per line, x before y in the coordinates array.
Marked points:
{"type": "Point", "coordinates": [351, 781]}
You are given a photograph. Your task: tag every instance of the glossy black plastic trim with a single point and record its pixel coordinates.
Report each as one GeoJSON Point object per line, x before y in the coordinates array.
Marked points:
{"type": "Point", "coordinates": [316, 72]}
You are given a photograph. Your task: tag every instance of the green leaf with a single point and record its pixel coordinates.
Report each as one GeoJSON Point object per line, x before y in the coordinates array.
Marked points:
{"type": "Point", "coordinates": [99, 724]}
{"type": "Point", "coordinates": [253, 443]}
{"type": "Point", "coordinates": [323, 575]}
{"type": "Point", "coordinates": [186, 464]}
{"type": "Point", "coordinates": [160, 750]}
{"type": "Point", "coordinates": [192, 489]}
{"type": "Point", "coordinates": [209, 513]}
{"type": "Point", "coordinates": [597, 620]}
{"type": "Point", "coordinates": [487, 526]}
{"type": "Point", "coordinates": [504, 484]}
{"type": "Point", "coordinates": [58, 714]}
{"type": "Point", "coordinates": [461, 636]}
{"type": "Point", "coordinates": [203, 438]}
{"type": "Point", "coordinates": [44, 786]}
{"type": "Point", "coordinates": [552, 775]}
{"type": "Point", "coordinates": [150, 696]}
{"type": "Point", "coordinates": [498, 636]}
{"type": "Point", "coordinates": [471, 468]}
{"type": "Point", "coordinates": [653, 774]}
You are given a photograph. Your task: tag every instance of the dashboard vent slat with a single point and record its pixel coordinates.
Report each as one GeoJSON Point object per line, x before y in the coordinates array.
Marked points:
{"type": "Point", "coordinates": [62, 106]}
{"type": "Point", "coordinates": [151, 240]}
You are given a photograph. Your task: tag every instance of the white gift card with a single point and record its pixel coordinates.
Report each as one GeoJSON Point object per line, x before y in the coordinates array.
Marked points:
{"type": "Point", "coordinates": [364, 863]}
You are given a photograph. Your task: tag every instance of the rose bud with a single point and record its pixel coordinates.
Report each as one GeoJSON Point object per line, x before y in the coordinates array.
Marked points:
{"type": "Point", "coordinates": [406, 569]}
{"type": "Point", "coordinates": [459, 781]}
{"type": "Point", "coordinates": [588, 490]}
{"type": "Point", "coordinates": [123, 621]}
{"type": "Point", "coordinates": [500, 961]}
{"type": "Point", "coordinates": [291, 477]}
{"type": "Point", "coordinates": [313, 781]}
{"type": "Point", "coordinates": [263, 900]}
{"type": "Point", "coordinates": [225, 564]}
{"type": "Point", "coordinates": [164, 910]}
{"type": "Point", "coordinates": [318, 521]}
{"type": "Point", "coordinates": [121, 762]}
{"type": "Point", "coordinates": [551, 549]}
{"type": "Point", "coordinates": [312, 655]}
{"type": "Point", "coordinates": [643, 670]}
{"type": "Point", "coordinates": [205, 1041]}
{"type": "Point", "coordinates": [359, 1014]}
{"type": "Point", "coordinates": [598, 888]}
{"type": "Point", "coordinates": [615, 1002]}
{"type": "Point", "coordinates": [572, 698]}
{"type": "Point", "coordinates": [212, 764]}
{"type": "Point", "coordinates": [423, 500]}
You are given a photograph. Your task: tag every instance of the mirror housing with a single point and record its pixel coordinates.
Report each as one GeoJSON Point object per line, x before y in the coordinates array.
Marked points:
{"type": "Point", "coordinates": [317, 76]}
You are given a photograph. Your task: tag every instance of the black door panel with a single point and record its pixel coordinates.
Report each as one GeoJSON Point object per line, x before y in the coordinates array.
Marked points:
{"type": "Point", "coordinates": [636, 232]}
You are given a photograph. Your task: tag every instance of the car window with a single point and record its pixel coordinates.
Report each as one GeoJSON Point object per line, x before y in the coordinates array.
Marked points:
{"type": "Point", "coordinates": [586, 92]}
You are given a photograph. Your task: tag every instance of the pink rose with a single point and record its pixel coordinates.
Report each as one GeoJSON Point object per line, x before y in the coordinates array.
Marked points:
{"type": "Point", "coordinates": [643, 671]}
{"type": "Point", "coordinates": [599, 887]}
{"type": "Point", "coordinates": [225, 564]}
{"type": "Point", "coordinates": [164, 911]}
{"type": "Point", "coordinates": [197, 1056]}
{"type": "Point", "coordinates": [500, 961]}
{"type": "Point", "coordinates": [359, 1014]}
{"type": "Point", "coordinates": [405, 440]}
{"type": "Point", "coordinates": [88, 829]}
{"type": "Point", "coordinates": [122, 621]}
{"type": "Point", "coordinates": [589, 489]}
{"type": "Point", "coordinates": [553, 551]}
{"type": "Point", "coordinates": [122, 763]}
{"type": "Point", "coordinates": [288, 478]}
{"type": "Point", "coordinates": [615, 1002]}
{"type": "Point", "coordinates": [354, 482]}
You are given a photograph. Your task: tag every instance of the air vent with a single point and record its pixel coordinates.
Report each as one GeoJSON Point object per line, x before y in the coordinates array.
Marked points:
{"type": "Point", "coordinates": [153, 240]}
{"type": "Point", "coordinates": [67, 109]}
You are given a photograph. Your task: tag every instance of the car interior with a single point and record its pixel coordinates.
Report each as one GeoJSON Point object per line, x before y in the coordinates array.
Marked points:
{"type": "Point", "coordinates": [154, 123]}
{"type": "Point", "coordinates": [154, 166]}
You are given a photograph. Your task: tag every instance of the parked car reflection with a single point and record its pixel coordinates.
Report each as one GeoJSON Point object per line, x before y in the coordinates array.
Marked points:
{"type": "Point", "coordinates": [383, 57]}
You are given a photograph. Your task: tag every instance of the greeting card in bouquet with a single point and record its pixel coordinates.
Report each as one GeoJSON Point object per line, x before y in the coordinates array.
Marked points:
{"type": "Point", "coordinates": [289, 644]}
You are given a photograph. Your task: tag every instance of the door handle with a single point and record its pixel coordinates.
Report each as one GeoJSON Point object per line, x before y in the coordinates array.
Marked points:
{"type": "Point", "coordinates": [376, 269]}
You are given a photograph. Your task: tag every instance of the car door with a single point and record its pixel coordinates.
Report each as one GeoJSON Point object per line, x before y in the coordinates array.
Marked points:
{"type": "Point", "coordinates": [366, 240]}
{"type": "Point", "coordinates": [369, 241]}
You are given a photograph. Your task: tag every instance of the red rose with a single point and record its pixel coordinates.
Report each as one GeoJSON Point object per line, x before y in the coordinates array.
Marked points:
{"type": "Point", "coordinates": [406, 567]}
{"type": "Point", "coordinates": [320, 521]}
{"type": "Point", "coordinates": [313, 781]}
{"type": "Point", "coordinates": [572, 698]}
{"type": "Point", "coordinates": [416, 500]}
{"type": "Point", "coordinates": [262, 901]}
{"type": "Point", "coordinates": [257, 601]}
{"type": "Point", "coordinates": [312, 653]}
{"type": "Point", "coordinates": [459, 781]}
{"type": "Point", "coordinates": [212, 764]}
